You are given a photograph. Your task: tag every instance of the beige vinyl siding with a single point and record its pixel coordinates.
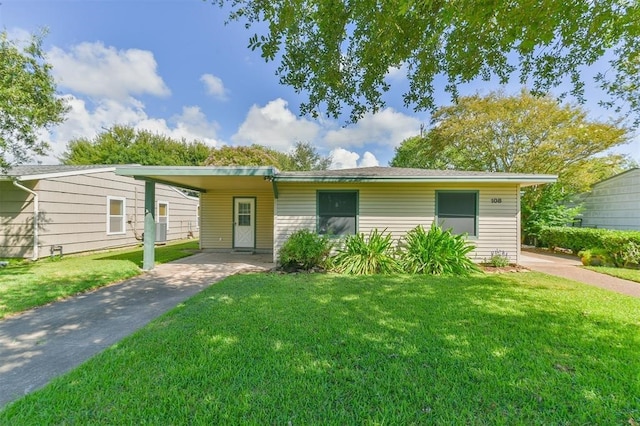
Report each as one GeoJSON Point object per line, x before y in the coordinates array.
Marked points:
{"type": "Point", "coordinates": [498, 223]}
{"type": "Point", "coordinates": [16, 220]}
{"type": "Point", "coordinates": [216, 227]}
{"type": "Point", "coordinates": [614, 203]}
{"type": "Point", "coordinates": [73, 213]}
{"type": "Point", "coordinates": [399, 208]}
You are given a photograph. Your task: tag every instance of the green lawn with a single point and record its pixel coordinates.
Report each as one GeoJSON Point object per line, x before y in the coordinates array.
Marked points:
{"type": "Point", "coordinates": [521, 348]}
{"type": "Point", "coordinates": [625, 274]}
{"type": "Point", "coordinates": [24, 285]}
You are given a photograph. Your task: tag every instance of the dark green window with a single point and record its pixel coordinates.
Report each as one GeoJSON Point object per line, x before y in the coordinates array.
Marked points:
{"type": "Point", "coordinates": [337, 212]}
{"type": "Point", "coordinates": [458, 211]}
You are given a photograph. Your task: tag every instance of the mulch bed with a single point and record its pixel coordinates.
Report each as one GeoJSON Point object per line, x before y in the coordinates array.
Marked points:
{"type": "Point", "coordinates": [489, 269]}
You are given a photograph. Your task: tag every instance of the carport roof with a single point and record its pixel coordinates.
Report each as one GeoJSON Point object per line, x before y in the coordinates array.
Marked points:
{"type": "Point", "coordinates": [198, 178]}
{"type": "Point", "coordinates": [201, 178]}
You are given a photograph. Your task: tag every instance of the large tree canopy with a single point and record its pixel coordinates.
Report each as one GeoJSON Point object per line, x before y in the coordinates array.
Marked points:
{"type": "Point", "coordinates": [28, 101]}
{"type": "Point", "coordinates": [340, 51]}
{"type": "Point", "coordinates": [254, 155]}
{"type": "Point", "coordinates": [125, 145]}
{"type": "Point", "coordinates": [520, 133]}
{"type": "Point", "coordinates": [304, 156]}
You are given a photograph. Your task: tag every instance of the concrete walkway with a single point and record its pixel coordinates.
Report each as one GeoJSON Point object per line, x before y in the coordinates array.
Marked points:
{"type": "Point", "coordinates": [570, 267]}
{"type": "Point", "coordinates": [45, 342]}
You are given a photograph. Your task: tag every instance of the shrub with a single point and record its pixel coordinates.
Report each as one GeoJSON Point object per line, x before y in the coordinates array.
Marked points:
{"type": "Point", "coordinates": [631, 253]}
{"type": "Point", "coordinates": [499, 259]}
{"type": "Point", "coordinates": [595, 257]}
{"type": "Point", "coordinates": [304, 250]}
{"type": "Point", "coordinates": [614, 242]}
{"type": "Point", "coordinates": [360, 256]}
{"type": "Point", "coordinates": [436, 252]}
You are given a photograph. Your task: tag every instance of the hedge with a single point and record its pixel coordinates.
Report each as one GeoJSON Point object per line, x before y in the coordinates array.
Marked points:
{"type": "Point", "coordinates": [612, 241]}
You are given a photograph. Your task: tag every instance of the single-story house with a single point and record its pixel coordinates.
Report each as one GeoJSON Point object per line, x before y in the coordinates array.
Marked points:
{"type": "Point", "coordinates": [614, 203]}
{"type": "Point", "coordinates": [84, 208]}
{"type": "Point", "coordinates": [258, 208]}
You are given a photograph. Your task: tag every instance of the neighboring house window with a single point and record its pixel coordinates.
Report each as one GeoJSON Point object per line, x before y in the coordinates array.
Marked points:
{"type": "Point", "coordinates": [163, 213]}
{"type": "Point", "coordinates": [115, 215]}
{"type": "Point", "coordinates": [337, 212]}
{"type": "Point", "coordinates": [458, 211]}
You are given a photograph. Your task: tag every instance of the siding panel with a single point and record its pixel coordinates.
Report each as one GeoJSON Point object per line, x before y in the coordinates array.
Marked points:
{"type": "Point", "coordinates": [73, 213]}
{"type": "Point", "coordinates": [399, 208]}
{"type": "Point", "coordinates": [614, 203]}
{"type": "Point", "coordinates": [216, 232]}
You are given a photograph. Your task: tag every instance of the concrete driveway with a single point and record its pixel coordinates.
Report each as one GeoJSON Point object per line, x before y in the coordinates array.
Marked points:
{"type": "Point", "coordinates": [570, 267]}
{"type": "Point", "coordinates": [45, 342]}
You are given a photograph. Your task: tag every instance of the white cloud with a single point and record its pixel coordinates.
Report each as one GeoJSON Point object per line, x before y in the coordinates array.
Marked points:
{"type": "Point", "coordinates": [96, 70]}
{"type": "Point", "coordinates": [191, 124]}
{"type": "Point", "coordinates": [344, 159]}
{"type": "Point", "coordinates": [214, 86]}
{"type": "Point", "coordinates": [86, 120]}
{"type": "Point", "coordinates": [20, 36]}
{"type": "Point", "coordinates": [385, 128]}
{"type": "Point", "coordinates": [368, 160]}
{"type": "Point", "coordinates": [397, 73]}
{"type": "Point", "coordinates": [274, 125]}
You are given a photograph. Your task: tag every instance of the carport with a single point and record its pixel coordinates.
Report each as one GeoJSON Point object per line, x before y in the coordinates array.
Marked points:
{"type": "Point", "coordinates": [236, 205]}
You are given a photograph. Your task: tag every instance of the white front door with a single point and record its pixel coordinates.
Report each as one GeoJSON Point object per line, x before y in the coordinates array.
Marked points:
{"type": "Point", "coordinates": [244, 222]}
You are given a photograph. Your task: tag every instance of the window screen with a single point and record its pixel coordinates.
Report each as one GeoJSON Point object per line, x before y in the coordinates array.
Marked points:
{"type": "Point", "coordinates": [458, 211]}
{"type": "Point", "coordinates": [337, 212]}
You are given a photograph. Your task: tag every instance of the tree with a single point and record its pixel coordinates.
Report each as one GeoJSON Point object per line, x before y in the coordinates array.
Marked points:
{"type": "Point", "coordinates": [520, 134]}
{"type": "Point", "coordinates": [125, 145]}
{"type": "Point", "coordinates": [254, 155]}
{"type": "Point", "coordinates": [305, 157]}
{"type": "Point", "coordinates": [340, 52]}
{"type": "Point", "coordinates": [28, 101]}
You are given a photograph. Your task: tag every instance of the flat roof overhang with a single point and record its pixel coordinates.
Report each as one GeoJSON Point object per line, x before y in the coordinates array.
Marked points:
{"type": "Point", "coordinates": [203, 178]}
{"type": "Point", "coordinates": [522, 180]}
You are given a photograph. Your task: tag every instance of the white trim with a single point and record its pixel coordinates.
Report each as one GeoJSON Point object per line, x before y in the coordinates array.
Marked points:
{"type": "Point", "coordinates": [41, 176]}
{"type": "Point", "coordinates": [124, 215]}
{"type": "Point", "coordinates": [188, 197]}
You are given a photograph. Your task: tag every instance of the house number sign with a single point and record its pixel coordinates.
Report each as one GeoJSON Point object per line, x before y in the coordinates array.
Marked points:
{"type": "Point", "coordinates": [496, 200]}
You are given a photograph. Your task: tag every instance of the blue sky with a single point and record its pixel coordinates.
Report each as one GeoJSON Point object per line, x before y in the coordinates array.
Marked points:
{"type": "Point", "coordinates": [173, 66]}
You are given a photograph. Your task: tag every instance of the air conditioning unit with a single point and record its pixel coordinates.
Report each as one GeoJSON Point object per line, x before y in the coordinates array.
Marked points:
{"type": "Point", "coordinates": [161, 232]}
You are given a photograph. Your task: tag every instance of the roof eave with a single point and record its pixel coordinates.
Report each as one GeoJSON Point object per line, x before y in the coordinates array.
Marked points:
{"type": "Point", "coordinates": [139, 171]}
{"type": "Point", "coordinates": [522, 180]}
{"type": "Point", "coordinates": [41, 176]}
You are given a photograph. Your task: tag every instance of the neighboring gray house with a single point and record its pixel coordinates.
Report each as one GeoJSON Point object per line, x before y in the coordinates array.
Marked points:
{"type": "Point", "coordinates": [614, 203]}
{"type": "Point", "coordinates": [84, 208]}
{"type": "Point", "coordinates": [258, 208]}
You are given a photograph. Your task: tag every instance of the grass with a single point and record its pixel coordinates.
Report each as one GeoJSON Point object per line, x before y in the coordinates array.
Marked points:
{"type": "Point", "coordinates": [25, 285]}
{"type": "Point", "coordinates": [624, 273]}
{"type": "Point", "coordinates": [325, 349]}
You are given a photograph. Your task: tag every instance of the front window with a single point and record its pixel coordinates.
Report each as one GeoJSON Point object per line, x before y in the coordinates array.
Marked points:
{"type": "Point", "coordinates": [458, 211]}
{"type": "Point", "coordinates": [337, 212]}
{"type": "Point", "coordinates": [115, 215]}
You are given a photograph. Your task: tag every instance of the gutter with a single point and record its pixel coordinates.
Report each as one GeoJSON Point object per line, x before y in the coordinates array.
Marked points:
{"type": "Point", "coordinates": [35, 217]}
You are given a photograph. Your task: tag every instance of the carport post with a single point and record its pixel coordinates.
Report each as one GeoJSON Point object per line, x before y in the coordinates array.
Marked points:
{"type": "Point", "coordinates": [148, 261]}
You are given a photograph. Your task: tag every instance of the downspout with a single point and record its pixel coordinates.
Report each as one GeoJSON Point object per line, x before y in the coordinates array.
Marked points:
{"type": "Point", "coordinates": [35, 217]}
